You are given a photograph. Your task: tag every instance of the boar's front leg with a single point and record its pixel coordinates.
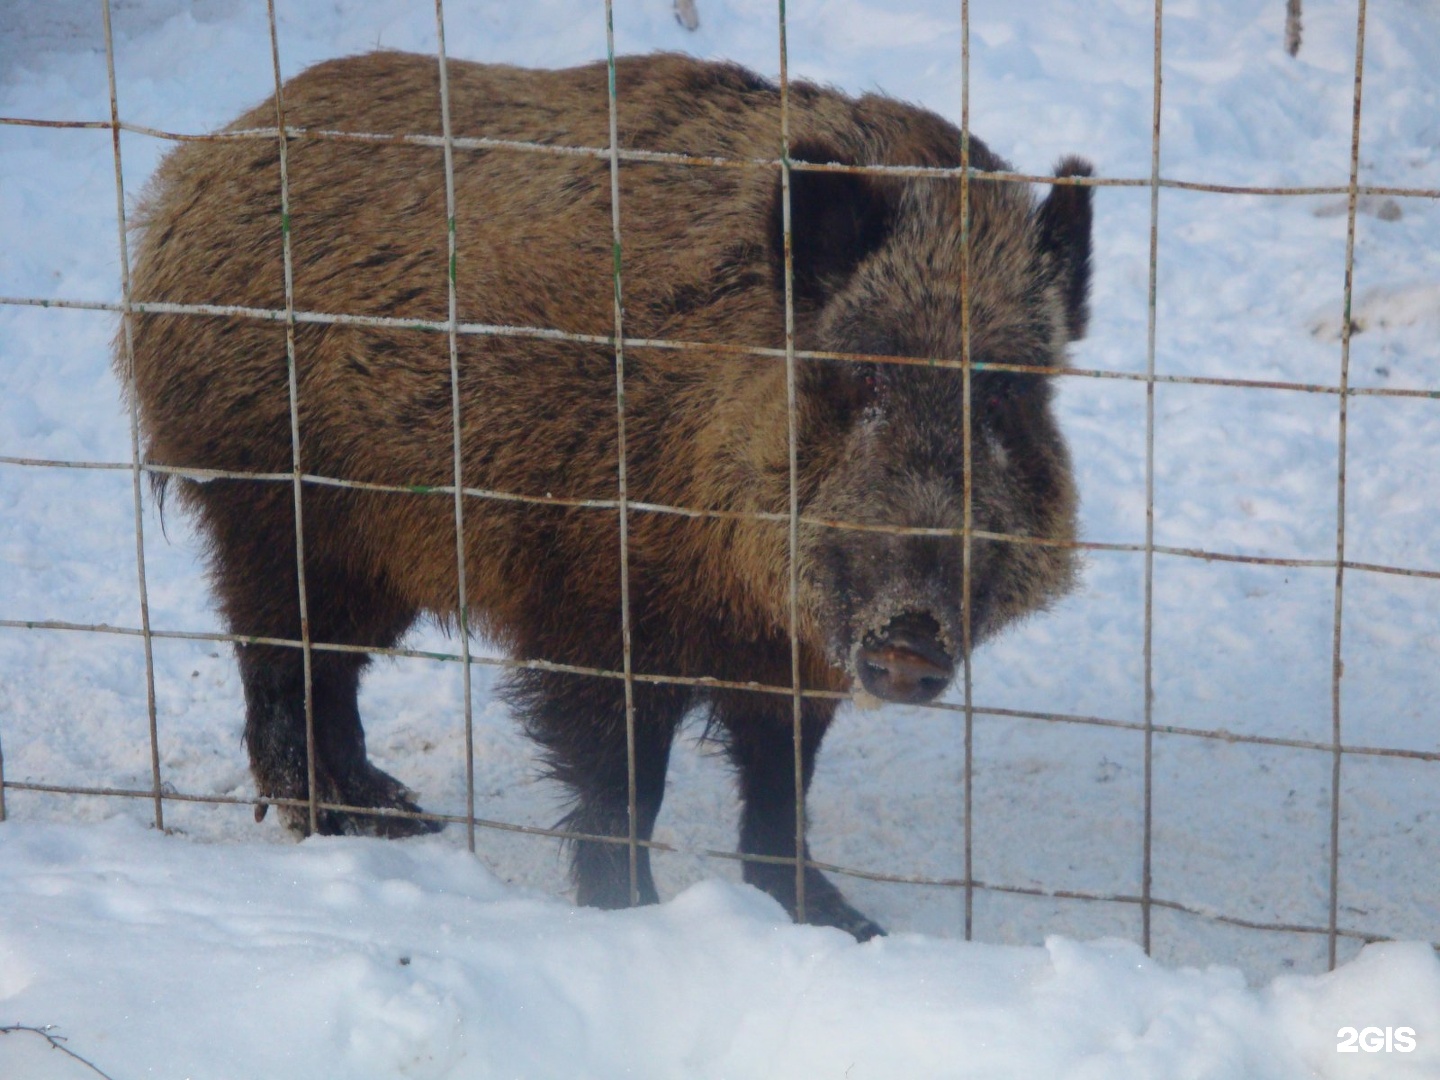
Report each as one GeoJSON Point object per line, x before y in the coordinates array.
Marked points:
{"type": "Point", "coordinates": [579, 720]}
{"type": "Point", "coordinates": [760, 740]}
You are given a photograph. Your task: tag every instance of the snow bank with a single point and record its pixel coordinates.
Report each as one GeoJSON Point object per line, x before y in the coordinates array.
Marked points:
{"type": "Point", "coordinates": [353, 959]}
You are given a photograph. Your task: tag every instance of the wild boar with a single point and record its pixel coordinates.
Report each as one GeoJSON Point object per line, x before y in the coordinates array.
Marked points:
{"type": "Point", "coordinates": [878, 270]}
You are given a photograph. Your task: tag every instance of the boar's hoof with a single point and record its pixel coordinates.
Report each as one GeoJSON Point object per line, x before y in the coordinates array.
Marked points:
{"type": "Point", "coordinates": [825, 905]}
{"type": "Point", "coordinates": [369, 787]}
{"type": "Point", "coordinates": [858, 926]}
{"type": "Point", "coordinates": [829, 908]}
{"type": "Point", "coordinates": [905, 661]}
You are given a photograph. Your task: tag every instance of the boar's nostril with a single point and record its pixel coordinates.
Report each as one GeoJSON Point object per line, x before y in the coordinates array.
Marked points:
{"type": "Point", "coordinates": [905, 662]}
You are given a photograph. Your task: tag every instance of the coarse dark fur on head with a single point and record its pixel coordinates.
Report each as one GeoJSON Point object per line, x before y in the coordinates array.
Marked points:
{"type": "Point", "coordinates": [879, 268]}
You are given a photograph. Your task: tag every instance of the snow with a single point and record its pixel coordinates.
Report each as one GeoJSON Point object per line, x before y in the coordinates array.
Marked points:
{"type": "Point", "coordinates": [355, 959]}
{"type": "Point", "coordinates": [226, 951]}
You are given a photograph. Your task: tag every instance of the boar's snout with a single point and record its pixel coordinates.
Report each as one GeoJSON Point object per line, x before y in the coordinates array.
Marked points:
{"type": "Point", "coordinates": [905, 662]}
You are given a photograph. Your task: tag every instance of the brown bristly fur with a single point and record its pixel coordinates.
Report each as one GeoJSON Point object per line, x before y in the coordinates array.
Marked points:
{"type": "Point", "coordinates": [878, 268]}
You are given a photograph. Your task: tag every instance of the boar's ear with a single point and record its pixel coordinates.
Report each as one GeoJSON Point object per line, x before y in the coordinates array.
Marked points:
{"type": "Point", "coordinates": [836, 219]}
{"type": "Point", "coordinates": [1064, 224]}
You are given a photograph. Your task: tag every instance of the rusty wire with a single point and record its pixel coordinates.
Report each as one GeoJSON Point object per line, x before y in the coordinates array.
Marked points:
{"type": "Point", "coordinates": [792, 539]}
{"type": "Point", "coordinates": [619, 342]}
{"type": "Point", "coordinates": [632, 812]}
{"type": "Point", "coordinates": [127, 332]}
{"type": "Point", "coordinates": [1148, 641]}
{"type": "Point", "coordinates": [1337, 662]}
{"type": "Point", "coordinates": [704, 682]}
{"type": "Point", "coordinates": [462, 592]}
{"type": "Point", "coordinates": [1204, 554]}
{"type": "Point", "coordinates": [715, 853]}
{"type": "Point", "coordinates": [967, 508]}
{"type": "Point", "coordinates": [296, 481]}
{"type": "Point", "coordinates": [382, 322]}
{"type": "Point", "coordinates": [660, 157]}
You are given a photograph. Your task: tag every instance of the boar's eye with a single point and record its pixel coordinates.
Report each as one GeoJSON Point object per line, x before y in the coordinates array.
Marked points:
{"type": "Point", "coordinates": [849, 388]}
{"type": "Point", "coordinates": [1003, 397]}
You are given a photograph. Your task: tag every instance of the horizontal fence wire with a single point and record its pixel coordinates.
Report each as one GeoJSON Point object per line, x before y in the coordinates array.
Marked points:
{"type": "Point", "coordinates": [619, 342]}
{"type": "Point", "coordinates": [661, 157]}
{"type": "Point", "coordinates": [382, 322]}
{"type": "Point", "coordinates": [1208, 913]}
{"type": "Point", "coordinates": [702, 682]}
{"type": "Point", "coordinates": [202, 475]}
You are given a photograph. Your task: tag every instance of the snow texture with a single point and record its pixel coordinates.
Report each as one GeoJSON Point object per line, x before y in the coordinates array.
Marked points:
{"type": "Point", "coordinates": [354, 959]}
{"type": "Point", "coordinates": [229, 952]}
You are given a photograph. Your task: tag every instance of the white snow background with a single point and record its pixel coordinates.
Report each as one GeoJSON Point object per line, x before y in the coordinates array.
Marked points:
{"type": "Point", "coordinates": [225, 951]}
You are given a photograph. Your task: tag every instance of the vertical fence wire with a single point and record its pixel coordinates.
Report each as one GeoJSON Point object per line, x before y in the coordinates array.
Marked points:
{"type": "Point", "coordinates": [127, 332]}
{"type": "Point", "coordinates": [792, 435]}
{"type": "Point", "coordinates": [1147, 840]}
{"type": "Point", "coordinates": [294, 391]}
{"type": "Point", "coordinates": [1336, 661]}
{"type": "Point", "coordinates": [967, 481]}
{"type": "Point", "coordinates": [622, 478]}
{"type": "Point", "coordinates": [451, 267]}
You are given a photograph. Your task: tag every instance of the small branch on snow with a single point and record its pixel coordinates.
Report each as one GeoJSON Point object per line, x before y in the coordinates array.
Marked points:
{"type": "Point", "coordinates": [57, 1042]}
{"type": "Point", "coordinates": [1292, 26]}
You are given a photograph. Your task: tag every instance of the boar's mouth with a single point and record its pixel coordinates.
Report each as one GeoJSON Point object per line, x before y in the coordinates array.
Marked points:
{"type": "Point", "coordinates": [905, 661]}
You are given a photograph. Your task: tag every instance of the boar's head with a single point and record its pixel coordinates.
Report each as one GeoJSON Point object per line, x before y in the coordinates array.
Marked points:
{"type": "Point", "coordinates": [879, 268]}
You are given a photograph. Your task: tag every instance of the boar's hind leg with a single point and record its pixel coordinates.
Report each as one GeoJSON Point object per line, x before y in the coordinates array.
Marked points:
{"type": "Point", "coordinates": [274, 681]}
{"type": "Point", "coordinates": [579, 720]}
{"type": "Point", "coordinates": [760, 739]}
{"type": "Point", "coordinates": [254, 565]}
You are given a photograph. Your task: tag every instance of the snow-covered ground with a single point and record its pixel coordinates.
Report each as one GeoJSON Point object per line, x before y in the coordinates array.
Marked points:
{"type": "Point", "coordinates": [351, 960]}
{"type": "Point", "coordinates": [228, 952]}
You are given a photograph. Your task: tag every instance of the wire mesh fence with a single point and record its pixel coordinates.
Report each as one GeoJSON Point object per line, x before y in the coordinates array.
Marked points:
{"type": "Point", "coordinates": [1138, 892]}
